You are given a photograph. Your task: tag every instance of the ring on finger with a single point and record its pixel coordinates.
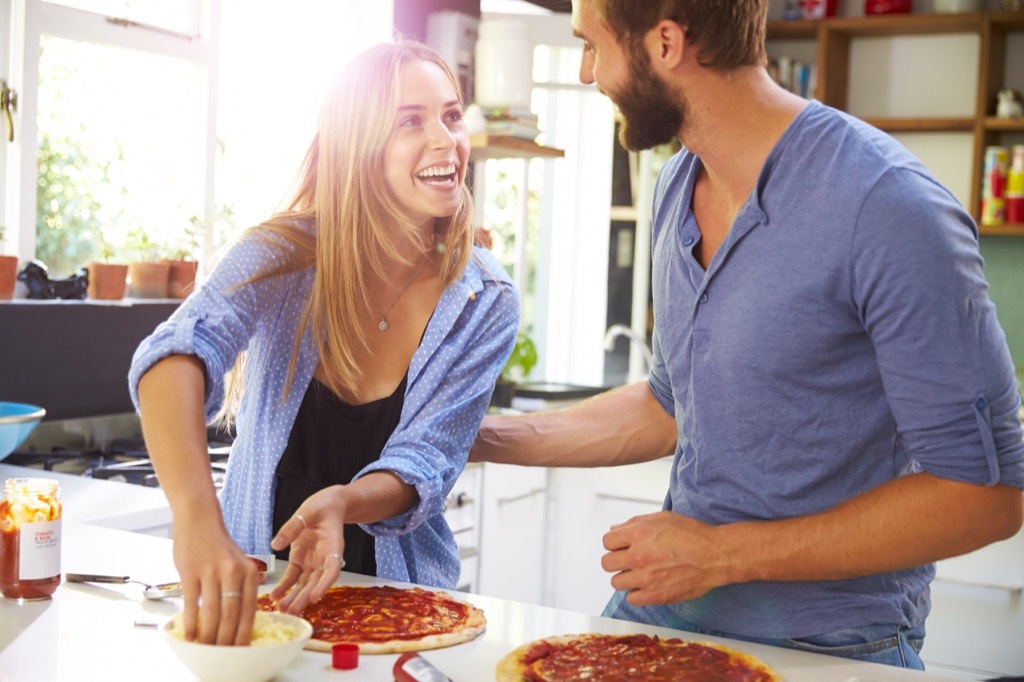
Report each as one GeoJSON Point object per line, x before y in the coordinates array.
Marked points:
{"type": "Point", "coordinates": [299, 517]}
{"type": "Point", "coordinates": [338, 558]}
{"type": "Point", "coordinates": [230, 595]}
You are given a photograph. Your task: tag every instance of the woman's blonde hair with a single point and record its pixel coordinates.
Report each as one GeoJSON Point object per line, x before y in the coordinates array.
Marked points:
{"type": "Point", "coordinates": [341, 213]}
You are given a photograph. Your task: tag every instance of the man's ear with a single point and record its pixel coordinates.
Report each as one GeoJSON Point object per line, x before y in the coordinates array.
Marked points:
{"type": "Point", "coordinates": [666, 43]}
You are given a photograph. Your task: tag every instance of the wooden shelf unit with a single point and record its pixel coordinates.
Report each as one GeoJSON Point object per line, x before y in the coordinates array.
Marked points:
{"type": "Point", "coordinates": [834, 36]}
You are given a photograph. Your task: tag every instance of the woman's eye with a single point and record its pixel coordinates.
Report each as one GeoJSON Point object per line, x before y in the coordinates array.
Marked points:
{"type": "Point", "coordinates": [454, 116]}
{"type": "Point", "coordinates": [409, 122]}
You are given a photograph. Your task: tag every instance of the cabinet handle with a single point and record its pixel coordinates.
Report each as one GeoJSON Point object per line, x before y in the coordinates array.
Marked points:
{"type": "Point", "coordinates": [625, 498]}
{"type": "Point", "coordinates": [1012, 589]}
{"type": "Point", "coordinates": [518, 498]}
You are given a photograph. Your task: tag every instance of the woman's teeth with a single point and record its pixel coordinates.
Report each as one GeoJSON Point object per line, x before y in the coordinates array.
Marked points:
{"type": "Point", "coordinates": [437, 175]}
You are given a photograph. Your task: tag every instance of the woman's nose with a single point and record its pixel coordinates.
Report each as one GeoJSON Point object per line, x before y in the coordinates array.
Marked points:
{"type": "Point", "coordinates": [440, 136]}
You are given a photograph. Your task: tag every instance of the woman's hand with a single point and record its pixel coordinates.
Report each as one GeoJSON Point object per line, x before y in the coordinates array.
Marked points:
{"type": "Point", "coordinates": [316, 536]}
{"type": "Point", "coordinates": [219, 584]}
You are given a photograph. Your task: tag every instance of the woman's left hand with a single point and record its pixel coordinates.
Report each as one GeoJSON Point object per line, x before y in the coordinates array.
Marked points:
{"type": "Point", "coordinates": [316, 536]}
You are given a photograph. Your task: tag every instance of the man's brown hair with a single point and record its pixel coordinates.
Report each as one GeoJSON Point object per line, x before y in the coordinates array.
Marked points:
{"type": "Point", "coordinates": [729, 34]}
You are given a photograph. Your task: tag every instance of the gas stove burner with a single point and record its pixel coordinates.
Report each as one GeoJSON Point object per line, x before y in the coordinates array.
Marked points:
{"type": "Point", "coordinates": [61, 460]}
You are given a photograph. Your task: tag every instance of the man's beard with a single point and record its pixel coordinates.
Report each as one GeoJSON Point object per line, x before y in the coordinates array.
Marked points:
{"type": "Point", "coordinates": [648, 115]}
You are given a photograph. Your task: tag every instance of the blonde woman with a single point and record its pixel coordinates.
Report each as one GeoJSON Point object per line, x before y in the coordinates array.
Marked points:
{"type": "Point", "coordinates": [373, 332]}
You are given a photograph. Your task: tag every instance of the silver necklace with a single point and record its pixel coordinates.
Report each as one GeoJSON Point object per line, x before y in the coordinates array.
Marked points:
{"type": "Point", "coordinates": [383, 324]}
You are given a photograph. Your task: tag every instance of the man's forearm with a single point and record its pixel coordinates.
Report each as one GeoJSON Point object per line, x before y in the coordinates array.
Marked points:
{"type": "Point", "coordinates": [911, 521]}
{"type": "Point", "coordinates": [622, 426]}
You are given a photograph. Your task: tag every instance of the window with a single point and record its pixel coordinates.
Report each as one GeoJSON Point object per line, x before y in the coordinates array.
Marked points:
{"type": "Point", "coordinates": [568, 207]}
{"type": "Point", "coordinates": [146, 124]}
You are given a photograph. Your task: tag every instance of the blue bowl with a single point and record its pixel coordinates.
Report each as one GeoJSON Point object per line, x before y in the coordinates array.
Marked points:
{"type": "Point", "coordinates": [17, 421]}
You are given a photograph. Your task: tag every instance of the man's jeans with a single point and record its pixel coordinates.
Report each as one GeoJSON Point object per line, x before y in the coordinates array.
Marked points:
{"type": "Point", "coordinates": [887, 644]}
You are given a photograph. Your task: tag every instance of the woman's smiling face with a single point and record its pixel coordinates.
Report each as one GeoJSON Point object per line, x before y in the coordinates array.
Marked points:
{"type": "Point", "coordinates": [427, 154]}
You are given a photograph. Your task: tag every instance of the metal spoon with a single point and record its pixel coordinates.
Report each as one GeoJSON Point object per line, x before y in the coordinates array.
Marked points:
{"type": "Point", "coordinates": [162, 591]}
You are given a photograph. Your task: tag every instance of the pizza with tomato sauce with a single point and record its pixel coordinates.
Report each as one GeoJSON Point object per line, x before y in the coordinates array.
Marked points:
{"type": "Point", "coordinates": [621, 658]}
{"type": "Point", "coordinates": [383, 619]}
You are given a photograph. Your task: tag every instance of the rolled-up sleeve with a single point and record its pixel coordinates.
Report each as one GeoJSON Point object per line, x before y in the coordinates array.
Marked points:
{"type": "Point", "coordinates": [214, 324]}
{"type": "Point", "coordinates": [942, 353]}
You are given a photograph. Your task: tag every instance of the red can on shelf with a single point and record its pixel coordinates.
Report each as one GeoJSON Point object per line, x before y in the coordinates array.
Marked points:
{"type": "Point", "coordinates": [887, 6]}
{"type": "Point", "coordinates": [818, 9]}
{"type": "Point", "coordinates": [1015, 209]}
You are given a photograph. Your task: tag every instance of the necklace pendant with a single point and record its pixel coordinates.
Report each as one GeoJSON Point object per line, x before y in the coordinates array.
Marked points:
{"type": "Point", "coordinates": [383, 325]}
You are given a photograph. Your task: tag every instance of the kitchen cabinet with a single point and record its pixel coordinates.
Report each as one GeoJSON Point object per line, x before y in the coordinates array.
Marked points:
{"type": "Point", "coordinates": [584, 504]}
{"type": "Point", "coordinates": [834, 38]}
{"type": "Point", "coordinates": [513, 538]}
{"type": "Point", "coordinates": [976, 625]}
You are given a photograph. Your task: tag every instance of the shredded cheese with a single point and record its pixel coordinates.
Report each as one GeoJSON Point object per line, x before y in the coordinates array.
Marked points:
{"type": "Point", "coordinates": [266, 630]}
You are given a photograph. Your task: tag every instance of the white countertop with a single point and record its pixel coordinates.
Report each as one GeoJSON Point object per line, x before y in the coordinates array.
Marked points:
{"type": "Point", "coordinates": [88, 631]}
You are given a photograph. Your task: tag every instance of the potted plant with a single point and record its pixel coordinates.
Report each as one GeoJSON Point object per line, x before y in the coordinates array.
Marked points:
{"type": "Point", "coordinates": [519, 364]}
{"type": "Point", "coordinates": [8, 270]}
{"type": "Point", "coordinates": [107, 281]}
{"type": "Point", "coordinates": [148, 277]}
{"type": "Point", "coordinates": [182, 261]}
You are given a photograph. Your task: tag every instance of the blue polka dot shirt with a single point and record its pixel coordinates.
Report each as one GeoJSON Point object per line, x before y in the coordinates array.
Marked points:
{"type": "Point", "coordinates": [451, 377]}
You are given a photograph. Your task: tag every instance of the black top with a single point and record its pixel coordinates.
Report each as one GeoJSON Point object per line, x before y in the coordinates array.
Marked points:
{"type": "Point", "coordinates": [330, 442]}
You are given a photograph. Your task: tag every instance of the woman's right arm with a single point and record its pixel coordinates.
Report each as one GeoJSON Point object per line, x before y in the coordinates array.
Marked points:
{"type": "Point", "coordinates": [210, 565]}
{"type": "Point", "coordinates": [623, 426]}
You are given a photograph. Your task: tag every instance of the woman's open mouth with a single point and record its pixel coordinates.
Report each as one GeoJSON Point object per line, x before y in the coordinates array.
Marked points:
{"type": "Point", "coordinates": [439, 176]}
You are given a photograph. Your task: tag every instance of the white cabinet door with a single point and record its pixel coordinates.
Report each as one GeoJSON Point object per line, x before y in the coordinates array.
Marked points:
{"type": "Point", "coordinates": [585, 504]}
{"type": "Point", "coordinates": [513, 532]}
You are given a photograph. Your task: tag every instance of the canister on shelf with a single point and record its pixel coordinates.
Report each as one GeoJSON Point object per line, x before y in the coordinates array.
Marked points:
{"type": "Point", "coordinates": [997, 160]}
{"type": "Point", "coordinates": [30, 532]}
{"type": "Point", "coordinates": [1015, 175]}
{"type": "Point", "coordinates": [1015, 209]}
{"type": "Point", "coordinates": [993, 211]}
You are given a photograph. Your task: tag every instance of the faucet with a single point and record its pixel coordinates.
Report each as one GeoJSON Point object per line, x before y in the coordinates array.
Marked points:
{"type": "Point", "coordinates": [617, 330]}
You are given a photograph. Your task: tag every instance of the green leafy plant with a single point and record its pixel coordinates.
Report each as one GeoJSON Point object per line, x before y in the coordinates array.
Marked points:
{"type": "Point", "coordinates": [141, 246]}
{"type": "Point", "coordinates": [68, 219]}
{"type": "Point", "coordinates": [522, 360]}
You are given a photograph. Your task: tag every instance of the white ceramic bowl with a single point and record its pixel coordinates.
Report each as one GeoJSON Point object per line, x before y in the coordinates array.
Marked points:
{"type": "Point", "coordinates": [213, 663]}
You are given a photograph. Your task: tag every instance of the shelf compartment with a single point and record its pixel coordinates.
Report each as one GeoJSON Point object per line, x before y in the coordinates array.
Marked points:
{"type": "Point", "coordinates": [798, 29]}
{"type": "Point", "coordinates": [1011, 230]}
{"type": "Point", "coordinates": [1004, 124]}
{"type": "Point", "coordinates": [923, 125]}
{"type": "Point", "coordinates": [483, 147]}
{"type": "Point", "coordinates": [891, 25]}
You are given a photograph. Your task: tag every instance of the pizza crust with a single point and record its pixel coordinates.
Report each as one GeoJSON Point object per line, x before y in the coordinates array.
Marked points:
{"type": "Point", "coordinates": [512, 669]}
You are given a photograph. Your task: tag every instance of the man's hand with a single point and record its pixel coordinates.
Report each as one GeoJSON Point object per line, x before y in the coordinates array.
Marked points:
{"type": "Point", "coordinates": [661, 558]}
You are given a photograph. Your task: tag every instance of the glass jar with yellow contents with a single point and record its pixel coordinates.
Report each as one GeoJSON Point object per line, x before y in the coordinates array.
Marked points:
{"type": "Point", "coordinates": [30, 530]}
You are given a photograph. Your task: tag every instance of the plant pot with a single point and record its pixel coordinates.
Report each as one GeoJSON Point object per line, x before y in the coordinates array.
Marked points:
{"type": "Point", "coordinates": [504, 391]}
{"type": "Point", "coordinates": [8, 276]}
{"type": "Point", "coordinates": [182, 278]}
{"type": "Point", "coordinates": [148, 280]}
{"type": "Point", "coordinates": [107, 281]}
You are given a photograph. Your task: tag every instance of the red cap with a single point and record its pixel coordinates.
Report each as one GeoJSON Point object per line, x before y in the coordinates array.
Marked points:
{"type": "Point", "coordinates": [345, 656]}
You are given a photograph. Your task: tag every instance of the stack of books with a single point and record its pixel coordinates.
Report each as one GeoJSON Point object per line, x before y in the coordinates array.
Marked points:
{"type": "Point", "coordinates": [511, 122]}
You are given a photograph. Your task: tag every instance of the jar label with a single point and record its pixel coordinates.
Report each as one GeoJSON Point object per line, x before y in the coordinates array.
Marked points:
{"type": "Point", "coordinates": [39, 550]}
